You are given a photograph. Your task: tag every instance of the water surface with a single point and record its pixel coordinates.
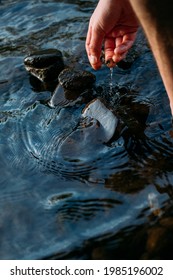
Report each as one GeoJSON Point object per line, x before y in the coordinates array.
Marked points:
{"type": "Point", "coordinates": [62, 197]}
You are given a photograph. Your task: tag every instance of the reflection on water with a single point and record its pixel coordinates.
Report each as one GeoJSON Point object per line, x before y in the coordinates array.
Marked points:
{"type": "Point", "coordinates": [64, 195]}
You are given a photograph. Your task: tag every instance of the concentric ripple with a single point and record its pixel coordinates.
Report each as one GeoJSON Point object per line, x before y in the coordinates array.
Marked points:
{"type": "Point", "coordinates": [58, 143]}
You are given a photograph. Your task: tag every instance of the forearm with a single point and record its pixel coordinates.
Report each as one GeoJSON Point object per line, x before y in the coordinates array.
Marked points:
{"type": "Point", "coordinates": [156, 18]}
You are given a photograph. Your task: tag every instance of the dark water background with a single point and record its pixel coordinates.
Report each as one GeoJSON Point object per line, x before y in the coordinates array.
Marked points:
{"type": "Point", "coordinates": [109, 201]}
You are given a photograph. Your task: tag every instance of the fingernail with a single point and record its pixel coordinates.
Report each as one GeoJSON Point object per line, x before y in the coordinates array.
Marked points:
{"type": "Point", "coordinates": [93, 59]}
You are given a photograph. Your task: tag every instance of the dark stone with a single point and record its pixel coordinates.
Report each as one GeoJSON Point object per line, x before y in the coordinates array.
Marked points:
{"type": "Point", "coordinates": [45, 65]}
{"type": "Point", "coordinates": [76, 79]}
{"type": "Point", "coordinates": [43, 58]}
{"type": "Point", "coordinates": [67, 98]}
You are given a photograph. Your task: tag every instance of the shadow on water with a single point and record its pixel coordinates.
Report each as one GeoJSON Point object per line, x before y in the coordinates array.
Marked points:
{"type": "Point", "coordinates": [63, 194]}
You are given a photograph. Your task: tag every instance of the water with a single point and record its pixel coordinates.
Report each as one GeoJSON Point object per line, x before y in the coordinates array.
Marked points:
{"type": "Point", "coordinates": [111, 79]}
{"type": "Point", "coordinates": [64, 196]}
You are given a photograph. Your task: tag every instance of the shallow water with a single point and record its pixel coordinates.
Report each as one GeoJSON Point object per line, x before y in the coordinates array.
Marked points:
{"type": "Point", "coordinates": [62, 195]}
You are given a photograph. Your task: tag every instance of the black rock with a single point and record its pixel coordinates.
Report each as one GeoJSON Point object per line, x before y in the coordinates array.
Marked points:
{"type": "Point", "coordinates": [72, 79]}
{"type": "Point", "coordinates": [45, 65]}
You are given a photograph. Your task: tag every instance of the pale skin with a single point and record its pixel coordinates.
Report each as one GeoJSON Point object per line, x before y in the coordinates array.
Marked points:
{"type": "Point", "coordinates": [114, 24]}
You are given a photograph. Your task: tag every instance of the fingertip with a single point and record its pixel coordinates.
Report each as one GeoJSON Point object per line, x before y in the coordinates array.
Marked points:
{"type": "Point", "coordinates": [96, 67]}
{"type": "Point", "coordinates": [118, 58]}
{"type": "Point", "coordinates": [95, 62]}
{"type": "Point", "coordinates": [93, 59]}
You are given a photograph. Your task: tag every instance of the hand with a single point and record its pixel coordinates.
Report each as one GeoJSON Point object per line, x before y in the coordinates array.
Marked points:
{"type": "Point", "coordinates": [114, 24]}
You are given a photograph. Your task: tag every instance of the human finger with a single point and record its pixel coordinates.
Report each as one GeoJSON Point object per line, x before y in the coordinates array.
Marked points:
{"type": "Point", "coordinates": [93, 46]}
{"type": "Point", "coordinates": [118, 41]}
{"type": "Point", "coordinates": [118, 58]}
{"type": "Point", "coordinates": [126, 44]}
{"type": "Point", "coordinates": [88, 39]}
{"type": "Point", "coordinates": [123, 46]}
{"type": "Point", "coordinates": [109, 46]}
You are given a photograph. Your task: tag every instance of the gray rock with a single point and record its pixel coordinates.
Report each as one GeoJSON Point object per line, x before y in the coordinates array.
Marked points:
{"type": "Point", "coordinates": [97, 110]}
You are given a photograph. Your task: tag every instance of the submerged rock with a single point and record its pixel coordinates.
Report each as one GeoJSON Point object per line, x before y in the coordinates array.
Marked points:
{"type": "Point", "coordinates": [96, 127]}
{"type": "Point", "coordinates": [96, 109]}
{"type": "Point", "coordinates": [62, 97]}
{"type": "Point", "coordinates": [72, 79]}
{"type": "Point", "coordinates": [45, 65]}
{"type": "Point", "coordinates": [83, 142]}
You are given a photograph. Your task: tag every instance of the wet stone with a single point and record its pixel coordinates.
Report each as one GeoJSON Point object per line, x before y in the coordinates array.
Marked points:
{"type": "Point", "coordinates": [83, 142]}
{"type": "Point", "coordinates": [45, 65]}
{"type": "Point", "coordinates": [96, 109]}
{"type": "Point", "coordinates": [64, 98]}
{"type": "Point", "coordinates": [76, 79]}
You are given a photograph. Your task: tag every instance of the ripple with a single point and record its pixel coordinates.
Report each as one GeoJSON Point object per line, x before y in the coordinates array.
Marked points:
{"type": "Point", "coordinates": [85, 210]}
{"type": "Point", "coordinates": [34, 23]}
{"type": "Point", "coordinates": [64, 148]}
{"type": "Point", "coordinates": [65, 191]}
